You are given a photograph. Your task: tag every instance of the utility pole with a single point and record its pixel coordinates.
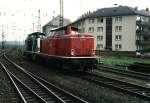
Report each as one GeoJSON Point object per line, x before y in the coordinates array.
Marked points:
{"type": "Point", "coordinates": [33, 26]}
{"type": "Point", "coordinates": [61, 13]}
{"type": "Point", "coordinates": [39, 21]}
{"type": "Point", "coordinates": [3, 37]}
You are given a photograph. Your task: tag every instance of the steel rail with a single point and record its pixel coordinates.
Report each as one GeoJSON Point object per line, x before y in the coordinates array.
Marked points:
{"type": "Point", "coordinates": [42, 88]}
{"type": "Point", "coordinates": [65, 93]}
{"type": "Point", "coordinates": [125, 72]}
{"type": "Point", "coordinates": [26, 87]}
{"type": "Point", "coordinates": [63, 96]}
{"type": "Point", "coordinates": [12, 81]}
{"type": "Point", "coordinates": [130, 88]}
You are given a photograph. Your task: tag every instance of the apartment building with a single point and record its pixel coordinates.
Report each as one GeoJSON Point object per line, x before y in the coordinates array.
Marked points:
{"type": "Point", "coordinates": [120, 28]}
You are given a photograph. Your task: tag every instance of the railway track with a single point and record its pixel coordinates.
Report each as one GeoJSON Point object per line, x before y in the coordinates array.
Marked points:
{"type": "Point", "coordinates": [140, 91]}
{"type": "Point", "coordinates": [130, 88]}
{"type": "Point", "coordinates": [33, 89]}
{"type": "Point", "coordinates": [127, 73]}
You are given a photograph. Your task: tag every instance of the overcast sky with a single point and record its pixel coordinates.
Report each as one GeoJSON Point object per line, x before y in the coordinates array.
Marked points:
{"type": "Point", "coordinates": [18, 16]}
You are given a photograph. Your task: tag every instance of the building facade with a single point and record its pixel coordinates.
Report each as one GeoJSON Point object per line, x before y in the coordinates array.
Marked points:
{"type": "Point", "coordinates": [54, 23]}
{"type": "Point", "coordinates": [118, 28]}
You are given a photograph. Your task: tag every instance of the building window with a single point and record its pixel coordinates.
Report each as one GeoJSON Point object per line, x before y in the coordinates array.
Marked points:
{"type": "Point", "coordinates": [100, 20]}
{"type": "Point", "coordinates": [79, 24]}
{"type": "Point", "coordinates": [83, 22]}
{"type": "Point", "coordinates": [144, 19]}
{"type": "Point", "coordinates": [137, 27]}
{"type": "Point", "coordinates": [82, 30]}
{"type": "Point", "coordinates": [138, 47]}
{"type": "Point", "coordinates": [99, 29]}
{"type": "Point", "coordinates": [118, 46]}
{"type": "Point", "coordinates": [99, 38]}
{"type": "Point", "coordinates": [118, 19]}
{"type": "Point", "coordinates": [91, 29]}
{"type": "Point", "coordinates": [138, 18]}
{"type": "Point", "coordinates": [118, 28]}
{"type": "Point", "coordinates": [91, 21]}
{"type": "Point", "coordinates": [99, 46]}
{"type": "Point", "coordinates": [118, 37]}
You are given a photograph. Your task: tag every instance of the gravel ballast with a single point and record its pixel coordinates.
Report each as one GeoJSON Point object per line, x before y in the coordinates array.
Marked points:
{"type": "Point", "coordinates": [91, 92]}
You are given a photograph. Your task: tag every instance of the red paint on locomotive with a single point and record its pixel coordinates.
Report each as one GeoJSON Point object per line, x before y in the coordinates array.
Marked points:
{"type": "Point", "coordinates": [66, 41]}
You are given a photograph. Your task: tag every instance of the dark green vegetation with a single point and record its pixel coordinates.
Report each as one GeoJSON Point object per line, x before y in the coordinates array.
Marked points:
{"type": "Point", "coordinates": [123, 60]}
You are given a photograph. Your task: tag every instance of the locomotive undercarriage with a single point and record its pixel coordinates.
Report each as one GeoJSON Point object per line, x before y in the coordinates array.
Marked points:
{"type": "Point", "coordinates": [74, 64]}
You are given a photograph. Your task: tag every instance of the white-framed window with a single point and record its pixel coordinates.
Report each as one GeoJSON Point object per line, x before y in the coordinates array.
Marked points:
{"type": "Point", "coordinates": [138, 18]}
{"type": "Point", "coordinates": [99, 38]}
{"type": "Point", "coordinates": [79, 24]}
{"type": "Point", "coordinates": [99, 46]}
{"type": "Point", "coordinates": [91, 29]}
{"type": "Point", "coordinates": [139, 47]}
{"type": "Point", "coordinates": [118, 28]}
{"type": "Point", "coordinates": [137, 27]}
{"type": "Point", "coordinates": [91, 21]}
{"type": "Point", "coordinates": [118, 37]}
{"type": "Point", "coordinates": [99, 29]}
{"type": "Point", "coordinates": [144, 19]}
{"type": "Point", "coordinates": [118, 46]}
{"type": "Point", "coordinates": [83, 22]}
{"type": "Point", "coordinates": [82, 30]}
{"type": "Point", "coordinates": [100, 20]}
{"type": "Point", "coordinates": [118, 19]}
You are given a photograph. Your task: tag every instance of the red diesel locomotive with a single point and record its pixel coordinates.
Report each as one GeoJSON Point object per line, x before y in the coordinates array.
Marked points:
{"type": "Point", "coordinates": [65, 47]}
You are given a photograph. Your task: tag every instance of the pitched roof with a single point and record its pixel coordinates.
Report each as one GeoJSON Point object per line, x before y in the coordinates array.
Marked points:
{"type": "Point", "coordinates": [37, 33]}
{"type": "Point", "coordinates": [50, 23]}
{"type": "Point", "coordinates": [115, 11]}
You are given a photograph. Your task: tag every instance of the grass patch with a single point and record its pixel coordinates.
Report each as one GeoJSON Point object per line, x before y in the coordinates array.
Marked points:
{"type": "Point", "coordinates": [122, 60]}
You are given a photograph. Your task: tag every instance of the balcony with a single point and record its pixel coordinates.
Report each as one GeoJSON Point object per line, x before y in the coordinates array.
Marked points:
{"type": "Point", "coordinates": [145, 24]}
{"type": "Point", "coordinates": [142, 42]}
{"type": "Point", "coordinates": [143, 33]}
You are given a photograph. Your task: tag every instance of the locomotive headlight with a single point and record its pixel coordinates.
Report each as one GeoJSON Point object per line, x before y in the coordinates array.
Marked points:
{"type": "Point", "coordinates": [72, 52]}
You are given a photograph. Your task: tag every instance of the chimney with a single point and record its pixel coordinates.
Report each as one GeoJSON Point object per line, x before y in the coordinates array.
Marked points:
{"type": "Point", "coordinates": [136, 8]}
{"type": "Point", "coordinates": [147, 9]}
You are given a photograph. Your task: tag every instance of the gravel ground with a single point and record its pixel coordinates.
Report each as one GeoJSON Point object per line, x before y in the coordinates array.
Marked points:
{"type": "Point", "coordinates": [4, 89]}
{"type": "Point", "coordinates": [86, 90]}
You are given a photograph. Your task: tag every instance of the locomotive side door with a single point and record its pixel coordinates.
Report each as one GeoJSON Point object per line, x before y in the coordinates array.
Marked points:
{"type": "Point", "coordinates": [83, 44]}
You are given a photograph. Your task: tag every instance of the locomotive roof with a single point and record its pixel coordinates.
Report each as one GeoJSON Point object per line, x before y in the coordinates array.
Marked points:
{"type": "Point", "coordinates": [37, 33]}
{"type": "Point", "coordinates": [64, 28]}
